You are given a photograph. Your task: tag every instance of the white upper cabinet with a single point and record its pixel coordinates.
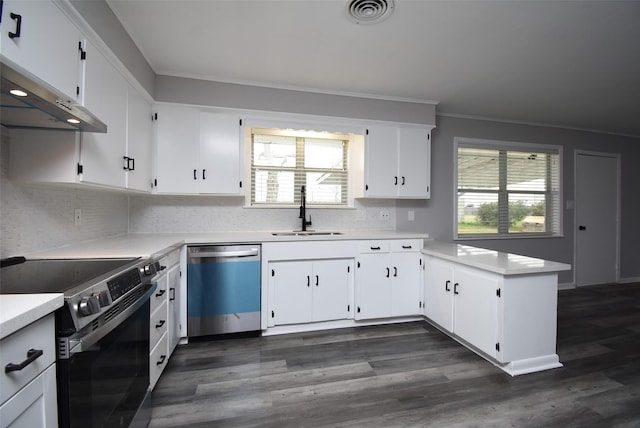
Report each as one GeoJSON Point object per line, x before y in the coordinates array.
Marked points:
{"type": "Point", "coordinates": [105, 94]}
{"type": "Point", "coordinates": [139, 158]}
{"type": "Point", "coordinates": [41, 40]}
{"type": "Point", "coordinates": [397, 162]}
{"type": "Point", "coordinates": [177, 135]}
{"type": "Point", "coordinates": [220, 151]}
{"type": "Point", "coordinates": [197, 152]}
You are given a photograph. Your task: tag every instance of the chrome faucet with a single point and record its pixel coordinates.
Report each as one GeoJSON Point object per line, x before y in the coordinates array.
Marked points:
{"type": "Point", "coordinates": [303, 210]}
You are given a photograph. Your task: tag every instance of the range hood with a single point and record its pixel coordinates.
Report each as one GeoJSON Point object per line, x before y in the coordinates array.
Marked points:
{"type": "Point", "coordinates": [40, 107]}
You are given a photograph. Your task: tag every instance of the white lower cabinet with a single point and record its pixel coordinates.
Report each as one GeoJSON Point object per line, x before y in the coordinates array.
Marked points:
{"type": "Point", "coordinates": [310, 291]}
{"type": "Point", "coordinates": [463, 301]}
{"type": "Point", "coordinates": [509, 319]}
{"type": "Point", "coordinates": [164, 322]}
{"type": "Point", "coordinates": [388, 278]}
{"type": "Point", "coordinates": [29, 397]}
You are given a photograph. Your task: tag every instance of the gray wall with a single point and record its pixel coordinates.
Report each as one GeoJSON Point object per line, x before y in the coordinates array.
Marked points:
{"type": "Point", "coordinates": [103, 21]}
{"type": "Point", "coordinates": [231, 95]}
{"type": "Point", "coordinates": [435, 216]}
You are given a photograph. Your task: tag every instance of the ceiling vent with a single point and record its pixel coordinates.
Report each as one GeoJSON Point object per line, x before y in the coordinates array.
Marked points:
{"type": "Point", "coordinates": [368, 11]}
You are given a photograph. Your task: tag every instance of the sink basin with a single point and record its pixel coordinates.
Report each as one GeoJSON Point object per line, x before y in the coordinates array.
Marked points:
{"type": "Point", "coordinates": [305, 233]}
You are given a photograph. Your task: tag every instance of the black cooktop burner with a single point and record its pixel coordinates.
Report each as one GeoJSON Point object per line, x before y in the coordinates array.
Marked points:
{"type": "Point", "coordinates": [55, 275]}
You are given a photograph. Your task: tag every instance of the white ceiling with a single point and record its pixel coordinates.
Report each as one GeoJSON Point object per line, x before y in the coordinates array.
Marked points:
{"type": "Point", "coordinates": [572, 64]}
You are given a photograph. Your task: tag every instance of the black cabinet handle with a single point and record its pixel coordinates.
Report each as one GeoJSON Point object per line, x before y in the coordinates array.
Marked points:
{"type": "Point", "coordinates": [388, 272]}
{"type": "Point", "coordinates": [160, 323]}
{"type": "Point", "coordinates": [446, 286]}
{"type": "Point", "coordinates": [317, 280]}
{"type": "Point", "coordinates": [160, 293]}
{"type": "Point", "coordinates": [582, 227]}
{"type": "Point", "coordinates": [395, 271]}
{"type": "Point", "coordinates": [195, 174]}
{"type": "Point", "coordinates": [204, 176]}
{"type": "Point", "coordinates": [396, 182]}
{"type": "Point", "coordinates": [375, 248]}
{"type": "Point", "coordinates": [406, 247]}
{"type": "Point", "coordinates": [455, 288]}
{"type": "Point", "coordinates": [32, 355]}
{"type": "Point", "coordinates": [18, 19]}
{"type": "Point", "coordinates": [172, 295]}
{"type": "Point", "coordinates": [308, 281]}
{"type": "Point", "coordinates": [403, 180]}
{"type": "Point", "coordinates": [132, 164]}
{"type": "Point", "coordinates": [161, 360]}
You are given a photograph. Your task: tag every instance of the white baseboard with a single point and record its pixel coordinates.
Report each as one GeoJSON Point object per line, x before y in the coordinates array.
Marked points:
{"type": "Point", "coordinates": [630, 279]}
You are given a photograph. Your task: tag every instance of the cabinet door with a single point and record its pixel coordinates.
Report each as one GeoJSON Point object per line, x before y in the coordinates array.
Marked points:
{"type": "Point", "coordinates": [102, 155]}
{"type": "Point", "coordinates": [219, 156]}
{"type": "Point", "coordinates": [291, 282]}
{"type": "Point", "coordinates": [330, 283]}
{"type": "Point", "coordinates": [438, 292]}
{"type": "Point", "coordinates": [476, 308]}
{"type": "Point", "coordinates": [139, 140]}
{"type": "Point", "coordinates": [174, 307]}
{"type": "Point", "coordinates": [414, 149]}
{"type": "Point", "coordinates": [47, 46]}
{"type": "Point", "coordinates": [35, 405]}
{"type": "Point", "coordinates": [381, 161]}
{"type": "Point", "coordinates": [373, 286]}
{"type": "Point", "coordinates": [405, 284]}
{"type": "Point", "coordinates": [177, 144]}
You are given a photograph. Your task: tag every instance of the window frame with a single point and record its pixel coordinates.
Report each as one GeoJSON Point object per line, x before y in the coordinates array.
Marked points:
{"type": "Point", "coordinates": [502, 193]}
{"type": "Point", "coordinates": [355, 154]}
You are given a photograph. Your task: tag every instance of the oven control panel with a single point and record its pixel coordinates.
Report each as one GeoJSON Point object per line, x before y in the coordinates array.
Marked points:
{"type": "Point", "coordinates": [122, 284]}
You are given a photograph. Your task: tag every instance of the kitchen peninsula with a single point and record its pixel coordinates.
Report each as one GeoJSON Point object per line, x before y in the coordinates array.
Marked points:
{"type": "Point", "coordinates": [501, 306]}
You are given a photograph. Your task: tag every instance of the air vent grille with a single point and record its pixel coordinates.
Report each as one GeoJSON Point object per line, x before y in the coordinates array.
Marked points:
{"type": "Point", "coordinates": [368, 11]}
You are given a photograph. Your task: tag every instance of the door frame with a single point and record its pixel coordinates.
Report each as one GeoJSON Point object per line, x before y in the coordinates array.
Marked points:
{"type": "Point", "coordinates": [617, 157]}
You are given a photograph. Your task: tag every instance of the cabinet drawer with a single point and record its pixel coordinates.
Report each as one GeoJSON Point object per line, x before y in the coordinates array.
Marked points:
{"type": "Point", "coordinates": [157, 325]}
{"type": "Point", "coordinates": [377, 246]}
{"type": "Point", "coordinates": [35, 405]}
{"type": "Point", "coordinates": [39, 336]}
{"type": "Point", "coordinates": [159, 297]}
{"type": "Point", "coordinates": [158, 359]}
{"type": "Point", "coordinates": [403, 245]}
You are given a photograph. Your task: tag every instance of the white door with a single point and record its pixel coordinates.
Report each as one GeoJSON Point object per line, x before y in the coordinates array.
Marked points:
{"type": "Point", "coordinates": [405, 284]}
{"type": "Point", "coordinates": [596, 211]}
{"type": "Point", "coordinates": [438, 292]}
{"type": "Point", "coordinates": [219, 154]}
{"type": "Point", "coordinates": [373, 286]}
{"type": "Point", "coordinates": [291, 282]}
{"type": "Point", "coordinates": [413, 173]}
{"type": "Point", "coordinates": [381, 163]}
{"type": "Point", "coordinates": [330, 284]}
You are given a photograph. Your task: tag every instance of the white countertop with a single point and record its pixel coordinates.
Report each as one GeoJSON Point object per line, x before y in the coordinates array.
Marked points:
{"type": "Point", "coordinates": [490, 260]}
{"type": "Point", "coordinates": [146, 245]}
{"type": "Point", "coordinates": [19, 310]}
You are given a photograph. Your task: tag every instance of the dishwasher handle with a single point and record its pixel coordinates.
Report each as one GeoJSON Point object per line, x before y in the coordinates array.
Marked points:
{"type": "Point", "coordinates": [225, 254]}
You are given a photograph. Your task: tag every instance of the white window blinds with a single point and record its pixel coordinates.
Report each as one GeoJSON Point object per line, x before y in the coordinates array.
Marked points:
{"type": "Point", "coordinates": [507, 190]}
{"type": "Point", "coordinates": [281, 164]}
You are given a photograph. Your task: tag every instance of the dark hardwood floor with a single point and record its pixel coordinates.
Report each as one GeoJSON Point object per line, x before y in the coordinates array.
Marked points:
{"type": "Point", "coordinates": [411, 375]}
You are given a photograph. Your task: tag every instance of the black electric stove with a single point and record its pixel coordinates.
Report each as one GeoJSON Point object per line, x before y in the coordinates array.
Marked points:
{"type": "Point", "coordinates": [90, 286]}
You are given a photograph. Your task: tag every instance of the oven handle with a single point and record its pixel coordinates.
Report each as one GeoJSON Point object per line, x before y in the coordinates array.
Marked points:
{"type": "Point", "coordinates": [81, 344]}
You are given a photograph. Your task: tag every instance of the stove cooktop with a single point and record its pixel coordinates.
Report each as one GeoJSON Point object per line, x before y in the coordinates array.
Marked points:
{"type": "Point", "coordinates": [56, 275]}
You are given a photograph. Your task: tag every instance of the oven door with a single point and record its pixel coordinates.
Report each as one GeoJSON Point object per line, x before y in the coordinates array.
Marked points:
{"type": "Point", "coordinates": [104, 382]}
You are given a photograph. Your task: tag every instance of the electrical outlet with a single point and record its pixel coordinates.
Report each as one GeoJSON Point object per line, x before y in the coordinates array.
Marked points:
{"type": "Point", "coordinates": [384, 215]}
{"type": "Point", "coordinates": [77, 215]}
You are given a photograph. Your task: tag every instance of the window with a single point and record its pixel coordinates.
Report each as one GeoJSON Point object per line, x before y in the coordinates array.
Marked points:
{"type": "Point", "coordinates": [506, 189]}
{"type": "Point", "coordinates": [282, 161]}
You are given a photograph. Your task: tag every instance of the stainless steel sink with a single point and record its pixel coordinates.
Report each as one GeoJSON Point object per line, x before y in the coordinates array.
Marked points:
{"type": "Point", "coordinates": [305, 233]}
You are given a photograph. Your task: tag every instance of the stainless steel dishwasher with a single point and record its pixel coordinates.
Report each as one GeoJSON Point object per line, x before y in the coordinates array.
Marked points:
{"type": "Point", "coordinates": [223, 289]}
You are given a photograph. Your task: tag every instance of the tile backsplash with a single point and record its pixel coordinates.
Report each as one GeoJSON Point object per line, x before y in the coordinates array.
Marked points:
{"type": "Point", "coordinates": [41, 217]}
{"type": "Point", "coordinates": [36, 217]}
{"type": "Point", "coordinates": [160, 213]}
